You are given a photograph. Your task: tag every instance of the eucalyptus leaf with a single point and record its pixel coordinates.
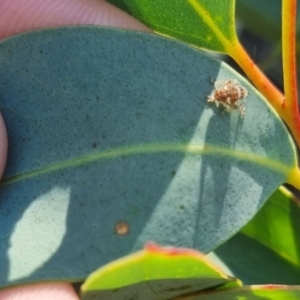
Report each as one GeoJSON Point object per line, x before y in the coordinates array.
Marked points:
{"type": "Point", "coordinates": [112, 143]}
{"type": "Point", "coordinates": [155, 273]}
{"type": "Point", "coordinates": [205, 23]}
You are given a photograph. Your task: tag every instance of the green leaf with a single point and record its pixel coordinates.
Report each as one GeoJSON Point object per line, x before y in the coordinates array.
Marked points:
{"type": "Point", "coordinates": [113, 144]}
{"type": "Point", "coordinates": [271, 241]}
{"type": "Point", "coordinates": [172, 273]}
{"type": "Point", "coordinates": [277, 226]}
{"type": "Point", "coordinates": [204, 23]}
{"type": "Point", "coordinates": [155, 273]}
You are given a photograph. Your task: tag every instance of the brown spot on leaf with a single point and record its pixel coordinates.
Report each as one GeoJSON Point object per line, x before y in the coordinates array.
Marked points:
{"type": "Point", "coordinates": [122, 228]}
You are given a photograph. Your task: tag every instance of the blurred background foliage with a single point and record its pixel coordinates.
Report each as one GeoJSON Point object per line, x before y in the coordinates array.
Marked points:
{"type": "Point", "coordinates": [259, 30]}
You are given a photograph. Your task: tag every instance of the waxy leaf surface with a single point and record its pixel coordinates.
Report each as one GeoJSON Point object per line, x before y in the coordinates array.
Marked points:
{"type": "Point", "coordinates": [112, 143]}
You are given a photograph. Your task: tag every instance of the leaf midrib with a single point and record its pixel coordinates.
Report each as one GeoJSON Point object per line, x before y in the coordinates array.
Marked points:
{"type": "Point", "coordinates": [205, 16]}
{"type": "Point", "coordinates": [191, 149]}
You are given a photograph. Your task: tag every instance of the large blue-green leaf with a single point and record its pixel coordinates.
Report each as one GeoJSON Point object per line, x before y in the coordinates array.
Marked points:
{"type": "Point", "coordinates": [112, 144]}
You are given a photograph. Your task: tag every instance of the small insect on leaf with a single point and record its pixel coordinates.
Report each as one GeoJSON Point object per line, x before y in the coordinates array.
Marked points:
{"type": "Point", "coordinates": [228, 95]}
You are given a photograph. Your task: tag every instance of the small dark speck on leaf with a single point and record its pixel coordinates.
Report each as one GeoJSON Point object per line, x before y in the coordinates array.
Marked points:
{"type": "Point", "coordinates": [184, 287]}
{"type": "Point", "coordinates": [94, 145]}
